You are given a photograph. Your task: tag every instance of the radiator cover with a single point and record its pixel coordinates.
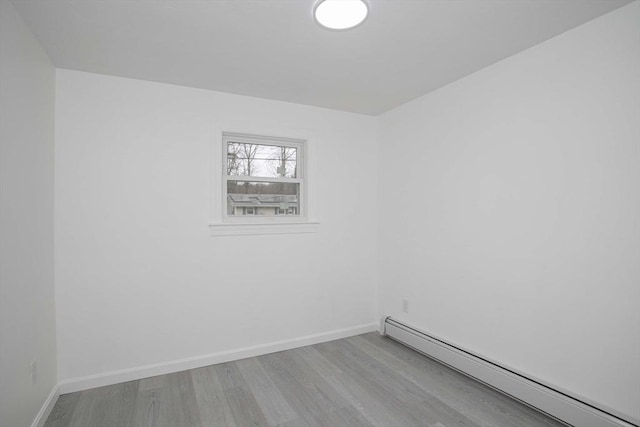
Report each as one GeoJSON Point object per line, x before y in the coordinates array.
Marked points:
{"type": "Point", "coordinates": [543, 397]}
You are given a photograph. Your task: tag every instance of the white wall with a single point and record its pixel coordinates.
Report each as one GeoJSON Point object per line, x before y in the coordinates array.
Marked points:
{"type": "Point", "coordinates": [27, 315]}
{"type": "Point", "coordinates": [510, 207]}
{"type": "Point", "coordinates": [139, 278]}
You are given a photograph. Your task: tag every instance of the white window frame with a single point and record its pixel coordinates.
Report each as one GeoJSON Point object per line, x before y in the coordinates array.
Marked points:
{"type": "Point", "coordinates": [223, 224]}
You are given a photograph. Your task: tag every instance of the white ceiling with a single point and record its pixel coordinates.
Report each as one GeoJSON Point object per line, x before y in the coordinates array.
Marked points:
{"type": "Point", "coordinates": [274, 49]}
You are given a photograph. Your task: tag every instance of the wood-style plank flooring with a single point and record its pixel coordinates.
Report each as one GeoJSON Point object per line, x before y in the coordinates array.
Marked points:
{"type": "Point", "coordinates": [367, 380]}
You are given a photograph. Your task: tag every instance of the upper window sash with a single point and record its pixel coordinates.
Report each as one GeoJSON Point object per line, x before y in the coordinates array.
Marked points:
{"type": "Point", "coordinates": [268, 164]}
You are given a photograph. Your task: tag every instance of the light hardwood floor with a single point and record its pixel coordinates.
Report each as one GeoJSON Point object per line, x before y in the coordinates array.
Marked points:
{"type": "Point", "coordinates": [367, 380]}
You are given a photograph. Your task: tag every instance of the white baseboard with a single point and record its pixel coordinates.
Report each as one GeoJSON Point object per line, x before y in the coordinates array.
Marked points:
{"type": "Point", "coordinates": [46, 408]}
{"type": "Point", "coordinates": [546, 398]}
{"type": "Point", "coordinates": [114, 377]}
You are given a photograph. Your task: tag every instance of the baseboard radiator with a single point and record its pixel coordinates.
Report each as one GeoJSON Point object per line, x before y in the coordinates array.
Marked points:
{"type": "Point", "coordinates": [546, 398]}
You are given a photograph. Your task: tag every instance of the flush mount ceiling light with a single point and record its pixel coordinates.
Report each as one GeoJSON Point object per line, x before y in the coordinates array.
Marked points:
{"type": "Point", "coordinates": [340, 14]}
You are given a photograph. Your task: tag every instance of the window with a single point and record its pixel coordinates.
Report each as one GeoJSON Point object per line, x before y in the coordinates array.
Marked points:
{"type": "Point", "coordinates": [262, 183]}
{"type": "Point", "coordinates": [263, 177]}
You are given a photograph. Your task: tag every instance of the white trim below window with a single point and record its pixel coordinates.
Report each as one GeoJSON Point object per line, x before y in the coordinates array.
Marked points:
{"type": "Point", "coordinates": [236, 229]}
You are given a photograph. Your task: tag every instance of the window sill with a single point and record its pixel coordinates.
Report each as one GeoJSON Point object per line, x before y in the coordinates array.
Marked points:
{"type": "Point", "coordinates": [244, 229]}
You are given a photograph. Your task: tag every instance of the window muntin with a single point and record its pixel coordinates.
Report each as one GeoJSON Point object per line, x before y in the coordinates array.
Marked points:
{"type": "Point", "coordinates": [263, 177]}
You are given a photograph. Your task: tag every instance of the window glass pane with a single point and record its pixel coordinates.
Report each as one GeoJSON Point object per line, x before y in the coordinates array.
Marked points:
{"type": "Point", "coordinates": [266, 161]}
{"type": "Point", "coordinates": [262, 198]}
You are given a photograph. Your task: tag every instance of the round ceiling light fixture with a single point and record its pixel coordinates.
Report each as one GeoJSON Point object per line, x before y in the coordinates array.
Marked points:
{"type": "Point", "coordinates": [340, 14]}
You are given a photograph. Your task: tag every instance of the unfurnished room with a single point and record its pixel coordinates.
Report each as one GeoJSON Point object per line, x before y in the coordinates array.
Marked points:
{"type": "Point", "coordinates": [289, 213]}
